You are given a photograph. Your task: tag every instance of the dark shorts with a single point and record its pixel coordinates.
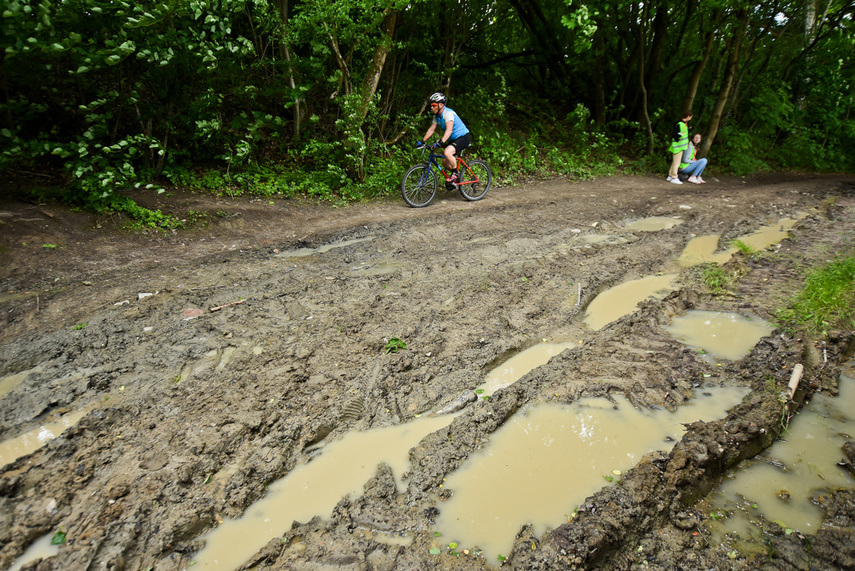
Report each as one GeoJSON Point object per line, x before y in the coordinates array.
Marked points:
{"type": "Point", "coordinates": [460, 143]}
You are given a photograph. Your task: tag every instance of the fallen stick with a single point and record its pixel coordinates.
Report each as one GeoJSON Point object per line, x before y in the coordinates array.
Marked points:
{"type": "Point", "coordinates": [218, 308]}
{"type": "Point", "coordinates": [798, 370]}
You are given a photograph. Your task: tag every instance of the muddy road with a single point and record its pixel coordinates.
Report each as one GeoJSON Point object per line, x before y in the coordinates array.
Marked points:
{"type": "Point", "coordinates": [207, 364]}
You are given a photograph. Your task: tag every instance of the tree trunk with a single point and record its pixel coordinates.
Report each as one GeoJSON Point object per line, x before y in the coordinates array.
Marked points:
{"type": "Point", "coordinates": [695, 79]}
{"type": "Point", "coordinates": [660, 31]}
{"type": "Point", "coordinates": [372, 78]}
{"type": "Point", "coordinates": [599, 76]}
{"type": "Point", "coordinates": [645, 117]}
{"type": "Point", "coordinates": [286, 55]}
{"type": "Point", "coordinates": [727, 82]}
{"type": "Point", "coordinates": [541, 30]}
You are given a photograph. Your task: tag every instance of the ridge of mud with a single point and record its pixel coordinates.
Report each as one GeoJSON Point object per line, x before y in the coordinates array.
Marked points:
{"type": "Point", "coordinates": [196, 411]}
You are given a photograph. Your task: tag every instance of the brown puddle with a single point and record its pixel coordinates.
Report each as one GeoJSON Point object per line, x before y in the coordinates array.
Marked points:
{"type": "Point", "coordinates": [654, 224]}
{"type": "Point", "coordinates": [10, 382]}
{"type": "Point", "coordinates": [42, 548]}
{"type": "Point", "coordinates": [314, 489]}
{"type": "Point", "coordinates": [622, 300]}
{"type": "Point", "coordinates": [29, 442]}
{"type": "Point", "coordinates": [514, 368]}
{"type": "Point", "coordinates": [704, 249]}
{"type": "Point", "coordinates": [718, 334]}
{"type": "Point", "coordinates": [305, 252]}
{"type": "Point", "coordinates": [778, 486]}
{"type": "Point", "coordinates": [543, 463]}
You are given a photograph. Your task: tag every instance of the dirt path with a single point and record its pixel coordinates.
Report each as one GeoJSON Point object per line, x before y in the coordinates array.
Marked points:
{"type": "Point", "coordinates": [193, 412]}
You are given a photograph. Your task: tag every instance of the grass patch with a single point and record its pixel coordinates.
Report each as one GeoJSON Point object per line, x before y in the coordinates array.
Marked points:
{"type": "Point", "coordinates": [743, 247]}
{"type": "Point", "coordinates": [719, 281]}
{"type": "Point", "coordinates": [827, 300]}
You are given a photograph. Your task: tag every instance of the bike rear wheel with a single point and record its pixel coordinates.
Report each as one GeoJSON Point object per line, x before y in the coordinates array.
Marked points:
{"type": "Point", "coordinates": [475, 180]}
{"type": "Point", "coordinates": [419, 186]}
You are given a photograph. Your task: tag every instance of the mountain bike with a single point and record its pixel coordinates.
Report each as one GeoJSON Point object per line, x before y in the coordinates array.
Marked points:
{"type": "Point", "coordinates": [420, 182]}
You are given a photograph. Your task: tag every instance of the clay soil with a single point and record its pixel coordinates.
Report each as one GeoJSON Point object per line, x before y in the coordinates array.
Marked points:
{"type": "Point", "coordinates": [245, 358]}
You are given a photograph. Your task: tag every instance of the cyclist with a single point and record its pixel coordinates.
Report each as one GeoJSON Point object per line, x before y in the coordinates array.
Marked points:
{"type": "Point", "coordinates": [455, 135]}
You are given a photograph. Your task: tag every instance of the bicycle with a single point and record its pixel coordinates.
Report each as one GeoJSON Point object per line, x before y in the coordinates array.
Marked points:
{"type": "Point", "coordinates": [420, 183]}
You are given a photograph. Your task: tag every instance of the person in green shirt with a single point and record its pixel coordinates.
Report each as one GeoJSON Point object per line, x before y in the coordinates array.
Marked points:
{"type": "Point", "coordinates": [679, 143]}
{"type": "Point", "coordinates": [691, 166]}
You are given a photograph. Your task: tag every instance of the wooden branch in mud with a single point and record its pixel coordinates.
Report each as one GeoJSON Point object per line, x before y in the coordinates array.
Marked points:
{"type": "Point", "coordinates": [219, 307]}
{"type": "Point", "coordinates": [798, 370]}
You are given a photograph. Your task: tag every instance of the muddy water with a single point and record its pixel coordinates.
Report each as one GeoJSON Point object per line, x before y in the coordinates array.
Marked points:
{"type": "Point", "coordinates": [30, 441]}
{"type": "Point", "coordinates": [9, 296]}
{"type": "Point", "coordinates": [622, 300]}
{"type": "Point", "coordinates": [719, 335]}
{"type": "Point", "coordinates": [8, 383]}
{"type": "Point", "coordinates": [778, 485]}
{"type": "Point", "coordinates": [314, 489]}
{"type": "Point", "coordinates": [608, 239]}
{"type": "Point", "coordinates": [304, 252]}
{"type": "Point", "coordinates": [377, 269]}
{"type": "Point", "coordinates": [704, 249]}
{"type": "Point", "coordinates": [654, 224]}
{"type": "Point", "coordinates": [42, 548]}
{"type": "Point", "coordinates": [771, 234]}
{"type": "Point", "coordinates": [514, 368]}
{"type": "Point", "coordinates": [543, 463]}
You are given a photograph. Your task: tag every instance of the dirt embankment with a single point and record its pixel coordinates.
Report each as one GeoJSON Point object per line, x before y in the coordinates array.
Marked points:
{"type": "Point", "coordinates": [193, 412]}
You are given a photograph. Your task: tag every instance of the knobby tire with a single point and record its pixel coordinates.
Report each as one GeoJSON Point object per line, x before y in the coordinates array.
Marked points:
{"type": "Point", "coordinates": [477, 190]}
{"type": "Point", "coordinates": [419, 188]}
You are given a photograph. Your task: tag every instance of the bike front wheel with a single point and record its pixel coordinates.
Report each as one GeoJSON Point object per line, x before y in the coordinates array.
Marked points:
{"type": "Point", "coordinates": [475, 180]}
{"type": "Point", "coordinates": [419, 186]}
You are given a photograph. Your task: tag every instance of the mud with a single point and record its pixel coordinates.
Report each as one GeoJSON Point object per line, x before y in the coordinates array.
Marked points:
{"type": "Point", "coordinates": [248, 357]}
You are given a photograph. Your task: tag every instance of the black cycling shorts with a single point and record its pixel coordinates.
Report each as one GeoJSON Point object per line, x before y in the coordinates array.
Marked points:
{"type": "Point", "coordinates": [460, 143]}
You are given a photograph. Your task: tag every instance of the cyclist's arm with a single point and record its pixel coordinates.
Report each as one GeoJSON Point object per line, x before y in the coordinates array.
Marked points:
{"type": "Point", "coordinates": [429, 133]}
{"type": "Point", "coordinates": [448, 128]}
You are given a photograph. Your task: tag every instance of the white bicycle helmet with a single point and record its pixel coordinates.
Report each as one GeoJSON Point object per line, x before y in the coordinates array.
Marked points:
{"type": "Point", "coordinates": [438, 98]}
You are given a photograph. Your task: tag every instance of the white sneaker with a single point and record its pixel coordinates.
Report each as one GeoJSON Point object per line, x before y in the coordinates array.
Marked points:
{"type": "Point", "coordinates": [676, 181]}
{"type": "Point", "coordinates": [694, 180]}
{"type": "Point", "coordinates": [700, 180]}
{"type": "Point", "coordinates": [670, 178]}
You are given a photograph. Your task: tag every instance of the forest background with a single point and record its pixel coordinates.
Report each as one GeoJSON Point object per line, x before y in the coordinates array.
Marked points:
{"type": "Point", "coordinates": [326, 98]}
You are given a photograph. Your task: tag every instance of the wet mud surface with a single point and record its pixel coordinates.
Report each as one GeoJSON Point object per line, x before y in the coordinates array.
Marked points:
{"type": "Point", "coordinates": [246, 359]}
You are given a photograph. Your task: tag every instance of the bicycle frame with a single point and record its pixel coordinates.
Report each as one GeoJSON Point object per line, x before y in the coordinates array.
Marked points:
{"type": "Point", "coordinates": [461, 165]}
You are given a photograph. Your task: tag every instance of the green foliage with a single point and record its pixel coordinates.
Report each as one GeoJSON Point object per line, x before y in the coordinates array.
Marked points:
{"type": "Point", "coordinates": [827, 299]}
{"type": "Point", "coordinates": [394, 345]}
{"type": "Point", "coordinates": [718, 280]}
{"type": "Point", "coordinates": [58, 538]}
{"type": "Point", "coordinates": [271, 98]}
{"type": "Point", "coordinates": [742, 247]}
{"type": "Point", "coordinates": [739, 152]}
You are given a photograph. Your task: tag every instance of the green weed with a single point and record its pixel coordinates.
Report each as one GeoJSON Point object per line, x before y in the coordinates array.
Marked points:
{"type": "Point", "coordinates": [742, 247]}
{"type": "Point", "coordinates": [718, 280]}
{"type": "Point", "coordinates": [394, 345]}
{"type": "Point", "coordinates": [827, 299]}
{"type": "Point", "coordinates": [58, 538]}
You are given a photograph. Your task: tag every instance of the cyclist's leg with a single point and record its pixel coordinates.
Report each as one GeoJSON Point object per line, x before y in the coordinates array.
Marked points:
{"type": "Point", "coordinates": [449, 161]}
{"type": "Point", "coordinates": [455, 147]}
